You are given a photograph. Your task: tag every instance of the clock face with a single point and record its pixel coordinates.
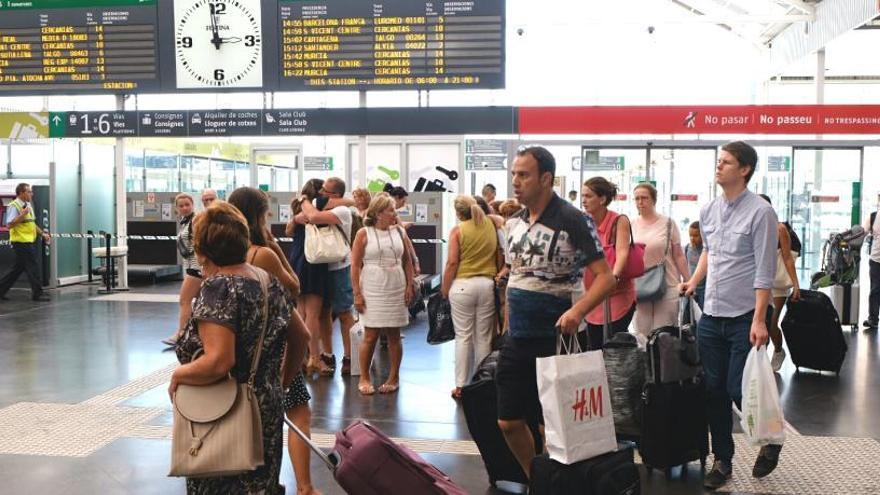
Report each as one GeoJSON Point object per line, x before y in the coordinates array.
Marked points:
{"type": "Point", "coordinates": [219, 43]}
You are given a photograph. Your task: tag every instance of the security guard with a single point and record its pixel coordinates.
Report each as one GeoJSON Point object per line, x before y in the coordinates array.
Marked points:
{"type": "Point", "coordinates": [23, 232]}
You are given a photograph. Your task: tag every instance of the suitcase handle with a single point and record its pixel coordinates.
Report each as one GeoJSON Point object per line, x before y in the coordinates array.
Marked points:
{"type": "Point", "coordinates": [332, 460]}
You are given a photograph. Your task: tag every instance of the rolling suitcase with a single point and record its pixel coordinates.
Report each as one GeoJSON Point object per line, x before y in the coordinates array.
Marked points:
{"type": "Point", "coordinates": [614, 473]}
{"type": "Point", "coordinates": [365, 461]}
{"type": "Point", "coordinates": [845, 299]}
{"type": "Point", "coordinates": [812, 330]}
{"type": "Point", "coordinates": [479, 399]}
{"type": "Point", "coordinates": [675, 429]}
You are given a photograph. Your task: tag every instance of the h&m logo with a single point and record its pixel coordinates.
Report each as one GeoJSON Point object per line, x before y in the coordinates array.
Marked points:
{"type": "Point", "coordinates": [584, 409]}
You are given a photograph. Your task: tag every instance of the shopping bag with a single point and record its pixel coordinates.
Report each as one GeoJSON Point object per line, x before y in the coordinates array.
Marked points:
{"type": "Point", "coordinates": [440, 327]}
{"type": "Point", "coordinates": [761, 417]}
{"type": "Point", "coordinates": [574, 394]}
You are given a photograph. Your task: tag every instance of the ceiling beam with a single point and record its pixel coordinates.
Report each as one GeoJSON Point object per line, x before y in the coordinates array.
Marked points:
{"type": "Point", "coordinates": [833, 19]}
{"type": "Point", "coordinates": [800, 5]}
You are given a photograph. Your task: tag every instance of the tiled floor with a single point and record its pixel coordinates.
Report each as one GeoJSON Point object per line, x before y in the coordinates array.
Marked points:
{"type": "Point", "coordinates": [83, 407]}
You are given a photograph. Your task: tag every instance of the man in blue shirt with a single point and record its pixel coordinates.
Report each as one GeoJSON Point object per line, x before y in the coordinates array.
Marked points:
{"type": "Point", "coordinates": [549, 244]}
{"type": "Point", "coordinates": [739, 257]}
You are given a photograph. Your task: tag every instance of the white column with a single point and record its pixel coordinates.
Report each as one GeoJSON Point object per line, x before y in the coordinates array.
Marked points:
{"type": "Point", "coordinates": [362, 147]}
{"type": "Point", "coordinates": [120, 199]}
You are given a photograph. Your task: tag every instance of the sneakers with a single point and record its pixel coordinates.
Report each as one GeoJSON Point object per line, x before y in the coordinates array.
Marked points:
{"type": "Point", "coordinates": [777, 359]}
{"type": "Point", "coordinates": [330, 362]}
{"type": "Point", "coordinates": [767, 460]}
{"type": "Point", "coordinates": [718, 476]}
{"type": "Point", "coordinates": [346, 366]}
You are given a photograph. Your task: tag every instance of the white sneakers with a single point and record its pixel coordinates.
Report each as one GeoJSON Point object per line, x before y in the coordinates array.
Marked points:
{"type": "Point", "coordinates": [777, 359]}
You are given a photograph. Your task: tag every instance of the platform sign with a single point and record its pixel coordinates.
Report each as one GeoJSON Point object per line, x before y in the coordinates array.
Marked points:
{"type": "Point", "coordinates": [78, 46]}
{"type": "Point", "coordinates": [318, 163]}
{"type": "Point", "coordinates": [592, 161]}
{"type": "Point", "coordinates": [778, 163]}
{"type": "Point", "coordinates": [393, 44]}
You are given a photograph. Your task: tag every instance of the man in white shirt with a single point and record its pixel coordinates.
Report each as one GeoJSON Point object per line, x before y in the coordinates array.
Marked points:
{"type": "Point", "coordinates": [339, 299]}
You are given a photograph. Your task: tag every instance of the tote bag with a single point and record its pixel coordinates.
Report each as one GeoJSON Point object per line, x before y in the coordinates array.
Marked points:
{"type": "Point", "coordinates": [217, 428]}
{"type": "Point", "coordinates": [325, 244]}
{"type": "Point", "coordinates": [578, 421]}
{"type": "Point", "coordinates": [652, 285]}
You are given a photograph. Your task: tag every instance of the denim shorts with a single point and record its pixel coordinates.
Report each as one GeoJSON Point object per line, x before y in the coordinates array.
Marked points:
{"type": "Point", "coordinates": [339, 293]}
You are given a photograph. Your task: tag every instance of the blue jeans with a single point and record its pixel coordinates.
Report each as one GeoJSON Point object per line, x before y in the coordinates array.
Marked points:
{"type": "Point", "coordinates": [724, 346]}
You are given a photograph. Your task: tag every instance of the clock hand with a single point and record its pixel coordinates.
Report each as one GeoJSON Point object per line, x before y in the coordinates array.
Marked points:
{"type": "Point", "coordinates": [215, 39]}
{"type": "Point", "coordinates": [230, 40]}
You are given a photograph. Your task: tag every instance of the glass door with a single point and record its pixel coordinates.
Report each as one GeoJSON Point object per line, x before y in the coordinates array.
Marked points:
{"type": "Point", "coordinates": [685, 180]}
{"type": "Point", "coordinates": [825, 198]}
{"type": "Point", "coordinates": [623, 167]}
{"type": "Point", "coordinates": [277, 169]}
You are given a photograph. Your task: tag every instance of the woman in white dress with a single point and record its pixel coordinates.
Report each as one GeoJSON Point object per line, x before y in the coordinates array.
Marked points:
{"type": "Point", "coordinates": [381, 275]}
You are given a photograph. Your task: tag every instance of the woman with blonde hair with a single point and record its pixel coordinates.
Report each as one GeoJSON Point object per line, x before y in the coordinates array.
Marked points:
{"type": "Point", "coordinates": [362, 200]}
{"type": "Point", "coordinates": [381, 275]}
{"type": "Point", "coordinates": [662, 243]}
{"type": "Point", "coordinates": [468, 281]}
{"type": "Point", "coordinates": [192, 271]}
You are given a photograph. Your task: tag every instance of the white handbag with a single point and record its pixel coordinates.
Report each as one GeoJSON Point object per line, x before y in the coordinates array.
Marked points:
{"type": "Point", "coordinates": [325, 244]}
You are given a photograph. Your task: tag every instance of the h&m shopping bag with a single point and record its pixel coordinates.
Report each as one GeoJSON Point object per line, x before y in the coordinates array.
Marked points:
{"type": "Point", "coordinates": [762, 419]}
{"type": "Point", "coordinates": [573, 389]}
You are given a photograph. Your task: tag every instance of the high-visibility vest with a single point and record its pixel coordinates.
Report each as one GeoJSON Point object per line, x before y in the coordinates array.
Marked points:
{"type": "Point", "coordinates": [26, 231]}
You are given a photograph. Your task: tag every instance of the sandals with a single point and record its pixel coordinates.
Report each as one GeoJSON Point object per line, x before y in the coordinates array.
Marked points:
{"type": "Point", "coordinates": [366, 389]}
{"type": "Point", "coordinates": [388, 388]}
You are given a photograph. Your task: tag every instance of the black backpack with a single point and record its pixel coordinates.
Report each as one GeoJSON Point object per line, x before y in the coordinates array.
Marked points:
{"type": "Point", "coordinates": [795, 240]}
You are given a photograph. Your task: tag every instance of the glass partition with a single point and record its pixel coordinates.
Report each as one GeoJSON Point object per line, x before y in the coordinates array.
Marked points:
{"type": "Point", "coordinates": [195, 173]}
{"type": "Point", "coordinates": [242, 174]}
{"type": "Point", "coordinates": [161, 171]}
{"type": "Point", "coordinates": [822, 198]}
{"type": "Point", "coordinates": [134, 170]}
{"type": "Point", "coordinates": [383, 164]}
{"type": "Point", "coordinates": [222, 175]}
{"type": "Point", "coordinates": [685, 181]}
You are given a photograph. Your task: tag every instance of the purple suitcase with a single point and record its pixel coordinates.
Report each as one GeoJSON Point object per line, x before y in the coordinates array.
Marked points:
{"type": "Point", "coordinates": [365, 461]}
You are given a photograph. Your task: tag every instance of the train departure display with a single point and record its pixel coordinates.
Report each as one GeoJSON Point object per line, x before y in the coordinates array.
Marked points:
{"type": "Point", "coordinates": [391, 44]}
{"type": "Point", "coordinates": [78, 46]}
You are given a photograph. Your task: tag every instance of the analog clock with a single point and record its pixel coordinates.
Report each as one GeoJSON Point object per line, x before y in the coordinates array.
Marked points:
{"type": "Point", "coordinates": [219, 43]}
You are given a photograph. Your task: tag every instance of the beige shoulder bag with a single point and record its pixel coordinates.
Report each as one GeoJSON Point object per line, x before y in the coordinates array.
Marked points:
{"type": "Point", "coordinates": [217, 428]}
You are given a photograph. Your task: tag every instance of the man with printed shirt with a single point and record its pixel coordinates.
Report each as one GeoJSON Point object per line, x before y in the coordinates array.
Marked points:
{"type": "Point", "coordinates": [23, 232]}
{"type": "Point", "coordinates": [739, 256]}
{"type": "Point", "coordinates": [549, 244]}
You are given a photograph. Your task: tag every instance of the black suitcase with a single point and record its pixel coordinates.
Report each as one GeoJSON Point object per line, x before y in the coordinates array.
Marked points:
{"type": "Point", "coordinates": [479, 400]}
{"type": "Point", "coordinates": [675, 429]}
{"type": "Point", "coordinates": [812, 330]}
{"type": "Point", "coordinates": [614, 473]}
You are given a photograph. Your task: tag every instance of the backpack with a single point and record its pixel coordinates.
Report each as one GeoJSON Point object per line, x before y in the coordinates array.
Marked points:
{"type": "Point", "coordinates": [357, 223]}
{"type": "Point", "coordinates": [795, 240]}
{"type": "Point", "coordinates": [871, 231]}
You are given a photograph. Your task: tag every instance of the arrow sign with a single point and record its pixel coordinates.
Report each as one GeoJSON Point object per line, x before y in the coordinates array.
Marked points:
{"type": "Point", "coordinates": [57, 124]}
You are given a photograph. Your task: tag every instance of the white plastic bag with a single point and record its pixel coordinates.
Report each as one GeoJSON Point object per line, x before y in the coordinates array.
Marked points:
{"type": "Point", "coordinates": [578, 422]}
{"type": "Point", "coordinates": [357, 337]}
{"type": "Point", "coordinates": [761, 417]}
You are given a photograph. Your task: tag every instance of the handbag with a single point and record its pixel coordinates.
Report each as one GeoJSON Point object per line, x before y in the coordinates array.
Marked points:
{"type": "Point", "coordinates": [440, 327]}
{"type": "Point", "coordinates": [635, 262]}
{"type": "Point", "coordinates": [217, 429]}
{"type": "Point", "coordinates": [652, 285]}
{"type": "Point", "coordinates": [573, 390]}
{"type": "Point", "coordinates": [325, 244]}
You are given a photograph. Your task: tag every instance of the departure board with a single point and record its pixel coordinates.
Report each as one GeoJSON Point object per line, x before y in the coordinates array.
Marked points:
{"type": "Point", "coordinates": [391, 44]}
{"type": "Point", "coordinates": [78, 46]}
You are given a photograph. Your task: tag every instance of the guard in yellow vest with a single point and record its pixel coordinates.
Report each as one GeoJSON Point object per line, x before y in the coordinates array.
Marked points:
{"type": "Point", "coordinates": [23, 232]}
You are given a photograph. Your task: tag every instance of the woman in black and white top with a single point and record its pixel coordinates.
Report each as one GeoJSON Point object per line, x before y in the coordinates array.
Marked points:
{"type": "Point", "coordinates": [192, 278]}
